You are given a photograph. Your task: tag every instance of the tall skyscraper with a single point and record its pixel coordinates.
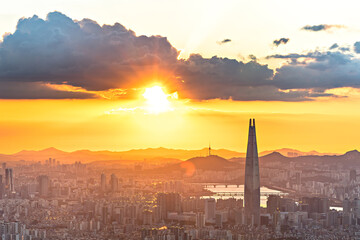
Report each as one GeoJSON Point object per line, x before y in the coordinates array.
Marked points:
{"type": "Point", "coordinates": [210, 209]}
{"type": "Point", "coordinates": [9, 180]}
{"type": "Point", "coordinates": [352, 175]}
{"type": "Point", "coordinates": [114, 182]}
{"type": "Point", "coordinates": [200, 220]}
{"type": "Point", "coordinates": [252, 179]}
{"type": "Point", "coordinates": [273, 204]}
{"type": "Point", "coordinates": [103, 182]}
{"type": "Point", "coordinates": [3, 166]}
{"type": "Point", "coordinates": [168, 202]}
{"type": "Point", "coordinates": [1, 187]}
{"type": "Point", "coordinates": [43, 185]}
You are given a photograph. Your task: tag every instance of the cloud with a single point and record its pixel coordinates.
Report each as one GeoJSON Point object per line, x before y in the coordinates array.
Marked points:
{"type": "Point", "coordinates": [319, 58]}
{"type": "Point", "coordinates": [252, 57]}
{"type": "Point", "coordinates": [344, 49]}
{"type": "Point", "coordinates": [80, 53]}
{"type": "Point", "coordinates": [357, 47]}
{"type": "Point", "coordinates": [34, 90]}
{"type": "Point", "coordinates": [225, 78]}
{"type": "Point", "coordinates": [321, 27]}
{"type": "Point", "coordinates": [227, 40]}
{"type": "Point", "coordinates": [281, 41]}
{"type": "Point", "coordinates": [334, 46]}
{"type": "Point", "coordinates": [319, 70]}
{"type": "Point", "coordinates": [59, 57]}
{"type": "Point", "coordinates": [207, 78]}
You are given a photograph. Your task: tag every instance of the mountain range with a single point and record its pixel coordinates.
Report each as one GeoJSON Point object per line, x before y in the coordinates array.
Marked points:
{"type": "Point", "coordinates": [149, 155]}
{"type": "Point", "coordinates": [348, 160]}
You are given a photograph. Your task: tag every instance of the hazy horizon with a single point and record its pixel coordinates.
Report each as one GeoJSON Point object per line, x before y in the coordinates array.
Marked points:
{"type": "Point", "coordinates": [166, 148]}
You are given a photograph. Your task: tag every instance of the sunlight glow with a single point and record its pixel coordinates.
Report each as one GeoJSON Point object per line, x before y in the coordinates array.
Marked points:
{"type": "Point", "coordinates": [156, 100]}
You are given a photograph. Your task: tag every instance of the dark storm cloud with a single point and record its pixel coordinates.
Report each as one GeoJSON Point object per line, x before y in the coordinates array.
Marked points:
{"type": "Point", "coordinates": [224, 41]}
{"type": "Point", "coordinates": [84, 54]}
{"type": "Point", "coordinates": [281, 41]}
{"type": "Point", "coordinates": [321, 27]}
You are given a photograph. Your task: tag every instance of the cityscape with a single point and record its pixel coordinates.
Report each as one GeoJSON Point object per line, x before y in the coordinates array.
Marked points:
{"type": "Point", "coordinates": [267, 197]}
{"type": "Point", "coordinates": [179, 120]}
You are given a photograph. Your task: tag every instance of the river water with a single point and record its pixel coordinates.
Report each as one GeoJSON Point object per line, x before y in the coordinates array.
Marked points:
{"type": "Point", "coordinates": [222, 191]}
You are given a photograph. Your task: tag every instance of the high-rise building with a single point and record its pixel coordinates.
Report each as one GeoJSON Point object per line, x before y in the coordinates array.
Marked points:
{"type": "Point", "coordinates": [103, 182]}
{"type": "Point", "coordinates": [43, 185]}
{"type": "Point", "coordinates": [210, 209]}
{"type": "Point", "coordinates": [356, 206]}
{"type": "Point", "coordinates": [200, 220]}
{"type": "Point", "coordinates": [252, 179]}
{"type": "Point", "coordinates": [273, 203]}
{"type": "Point", "coordinates": [168, 202]}
{"type": "Point", "coordinates": [1, 187]}
{"type": "Point", "coordinates": [9, 180]}
{"type": "Point", "coordinates": [298, 178]}
{"type": "Point", "coordinates": [218, 220]}
{"type": "Point", "coordinates": [239, 216]}
{"type": "Point", "coordinates": [317, 205]}
{"type": "Point", "coordinates": [346, 205]}
{"type": "Point", "coordinates": [114, 182]}
{"type": "Point", "coordinates": [147, 217]}
{"type": "Point", "coordinates": [352, 175]}
{"type": "Point", "coordinates": [104, 215]}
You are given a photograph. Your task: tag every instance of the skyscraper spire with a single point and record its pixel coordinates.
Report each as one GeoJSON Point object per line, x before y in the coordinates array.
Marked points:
{"type": "Point", "coordinates": [209, 149]}
{"type": "Point", "coordinates": [252, 179]}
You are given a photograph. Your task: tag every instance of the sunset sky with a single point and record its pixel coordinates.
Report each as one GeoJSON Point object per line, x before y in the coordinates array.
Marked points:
{"type": "Point", "coordinates": [118, 75]}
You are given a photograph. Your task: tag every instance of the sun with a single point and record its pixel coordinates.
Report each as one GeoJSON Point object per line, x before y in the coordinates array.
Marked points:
{"type": "Point", "coordinates": [156, 100]}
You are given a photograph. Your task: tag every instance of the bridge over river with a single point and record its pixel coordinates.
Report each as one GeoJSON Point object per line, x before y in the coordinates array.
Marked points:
{"type": "Point", "coordinates": [237, 191]}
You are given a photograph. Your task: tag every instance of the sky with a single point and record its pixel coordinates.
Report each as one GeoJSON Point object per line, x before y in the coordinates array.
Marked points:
{"type": "Point", "coordinates": [118, 75]}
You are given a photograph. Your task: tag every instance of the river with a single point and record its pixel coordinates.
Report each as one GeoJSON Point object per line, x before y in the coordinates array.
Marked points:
{"type": "Point", "coordinates": [222, 191]}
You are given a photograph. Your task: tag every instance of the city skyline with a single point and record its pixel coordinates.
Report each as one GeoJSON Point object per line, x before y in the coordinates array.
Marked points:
{"type": "Point", "coordinates": [297, 196]}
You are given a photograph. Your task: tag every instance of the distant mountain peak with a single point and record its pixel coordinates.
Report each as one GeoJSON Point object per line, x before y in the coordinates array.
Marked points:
{"type": "Point", "coordinates": [208, 158]}
{"type": "Point", "coordinates": [50, 149]}
{"type": "Point", "coordinates": [352, 153]}
{"type": "Point", "coordinates": [275, 154]}
{"type": "Point", "coordinates": [212, 162]}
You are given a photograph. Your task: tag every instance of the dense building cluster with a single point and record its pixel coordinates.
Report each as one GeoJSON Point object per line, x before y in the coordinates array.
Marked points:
{"type": "Point", "coordinates": [52, 200]}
